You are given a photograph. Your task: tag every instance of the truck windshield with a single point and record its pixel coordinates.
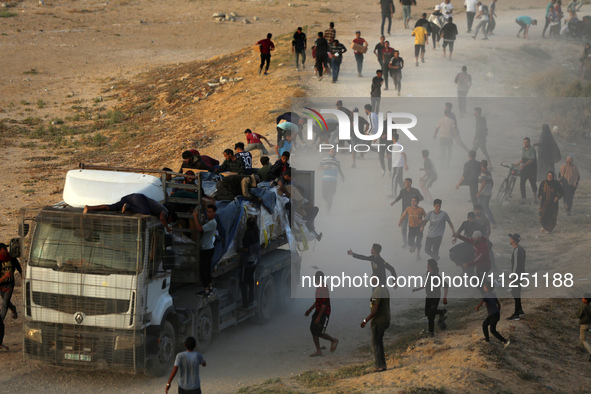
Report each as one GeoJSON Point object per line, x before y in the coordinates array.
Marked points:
{"type": "Point", "coordinates": [94, 244]}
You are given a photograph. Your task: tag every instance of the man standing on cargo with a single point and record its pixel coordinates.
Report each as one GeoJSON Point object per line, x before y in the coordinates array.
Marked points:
{"type": "Point", "coordinates": [266, 46]}
{"type": "Point", "coordinates": [380, 321]}
{"type": "Point", "coordinates": [207, 246]}
{"type": "Point", "coordinates": [321, 308]}
{"type": "Point", "coordinates": [188, 362]}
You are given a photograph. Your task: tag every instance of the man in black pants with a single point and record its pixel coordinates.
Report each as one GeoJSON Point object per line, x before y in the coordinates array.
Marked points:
{"type": "Point", "coordinates": [406, 195]}
{"type": "Point", "coordinates": [387, 13]}
{"type": "Point", "coordinates": [321, 48]}
{"type": "Point", "coordinates": [493, 307]}
{"type": "Point", "coordinates": [433, 289]}
{"type": "Point", "coordinates": [517, 268]}
{"type": "Point", "coordinates": [470, 176]}
{"type": "Point", "coordinates": [266, 46]}
{"type": "Point", "coordinates": [529, 169]}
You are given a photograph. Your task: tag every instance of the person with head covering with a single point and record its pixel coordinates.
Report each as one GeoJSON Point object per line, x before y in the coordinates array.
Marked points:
{"type": "Point", "coordinates": [548, 152]}
{"type": "Point", "coordinates": [569, 179]}
{"type": "Point", "coordinates": [549, 192]}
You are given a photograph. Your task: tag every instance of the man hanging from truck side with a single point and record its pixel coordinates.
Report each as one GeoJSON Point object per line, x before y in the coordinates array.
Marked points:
{"type": "Point", "coordinates": [251, 254]}
{"type": "Point", "coordinates": [207, 247]}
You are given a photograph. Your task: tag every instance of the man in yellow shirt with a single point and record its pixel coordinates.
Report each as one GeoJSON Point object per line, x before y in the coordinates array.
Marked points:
{"type": "Point", "coordinates": [421, 39]}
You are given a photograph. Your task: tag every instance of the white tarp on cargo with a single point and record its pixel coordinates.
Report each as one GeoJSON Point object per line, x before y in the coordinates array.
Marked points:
{"type": "Point", "coordinates": [93, 187]}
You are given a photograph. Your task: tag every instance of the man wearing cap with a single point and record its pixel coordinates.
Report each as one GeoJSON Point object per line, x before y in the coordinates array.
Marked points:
{"type": "Point", "coordinates": [517, 269]}
{"type": "Point", "coordinates": [254, 142]}
{"type": "Point", "coordinates": [584, 315]}
{"type": "Point", "coordinates": [299, 45]}
{"type": "Point", "coordinates": [481, 252]}
{"type": "Point", "coordinates": [436, 22]}
{"type": "Point", "coordinates": [359, 55]}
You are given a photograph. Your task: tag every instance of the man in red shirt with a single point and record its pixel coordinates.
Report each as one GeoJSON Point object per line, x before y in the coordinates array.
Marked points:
{"type": "Point", "coordinates": [359, 54]}
{"type": "Point", "coordinates": [266, 46]}
{"type": "Point", "coordinates": [321, 308]}
{"type": "Point", "coordinates": [254, 142]}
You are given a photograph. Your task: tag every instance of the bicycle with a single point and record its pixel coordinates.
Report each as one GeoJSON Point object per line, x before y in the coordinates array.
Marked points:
{"type": "Point", "coordinates": [508, 184]}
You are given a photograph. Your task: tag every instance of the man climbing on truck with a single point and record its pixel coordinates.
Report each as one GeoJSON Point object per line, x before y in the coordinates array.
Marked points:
{"type": "Point", "coordinates": [138, 203]}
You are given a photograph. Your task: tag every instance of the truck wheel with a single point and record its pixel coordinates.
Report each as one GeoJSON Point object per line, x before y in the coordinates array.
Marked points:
{"type": "Point", "coordinates": [266, 300]}
{"type": "Point", "coordinates": [285, 300]}
{"type": "Point", "coordinates": [160, 363]}
{"type": "Point", "coordinates": [204, 328]}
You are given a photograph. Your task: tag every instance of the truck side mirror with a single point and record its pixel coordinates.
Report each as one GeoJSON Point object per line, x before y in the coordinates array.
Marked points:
{"type": "Point", "coordinates": [24, 230]}
{"type": "Point", "coordinates": [15, 247]}
{"type": "Point", "coordinates": [168, 260]}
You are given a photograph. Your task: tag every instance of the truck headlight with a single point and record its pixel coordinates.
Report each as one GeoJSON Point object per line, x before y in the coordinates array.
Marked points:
{"type": "Point", "coordinates": [128, 342]}
{"type": "Point", "coordinates": [34, 334]}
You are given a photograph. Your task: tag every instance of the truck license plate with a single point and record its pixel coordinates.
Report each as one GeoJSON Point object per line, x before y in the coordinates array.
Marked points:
{"type": "Point", "coordinates": [77, 357]}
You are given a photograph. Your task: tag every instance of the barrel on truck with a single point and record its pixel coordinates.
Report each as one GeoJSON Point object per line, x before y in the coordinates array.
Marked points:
{"type": "Point", "coordinates": [107, 290]}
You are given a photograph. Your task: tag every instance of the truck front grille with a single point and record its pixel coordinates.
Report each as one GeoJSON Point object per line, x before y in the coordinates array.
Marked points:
{"type": "Point", "coordinates": [89, 305]}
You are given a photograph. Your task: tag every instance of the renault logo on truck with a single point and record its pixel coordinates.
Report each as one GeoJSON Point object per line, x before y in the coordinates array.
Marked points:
{"type": "Point", "coordinates": [79, 317]}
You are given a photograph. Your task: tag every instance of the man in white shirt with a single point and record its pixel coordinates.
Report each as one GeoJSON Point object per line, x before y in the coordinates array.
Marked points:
{"type": "Point", "coordinates": [446, 9]}
{"type": "Point", "coordinates": [484, 17]}
{"type": "Point", "coordinates": [398, 164]}
{"type": "Point", "coordinates": [470, 6]}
